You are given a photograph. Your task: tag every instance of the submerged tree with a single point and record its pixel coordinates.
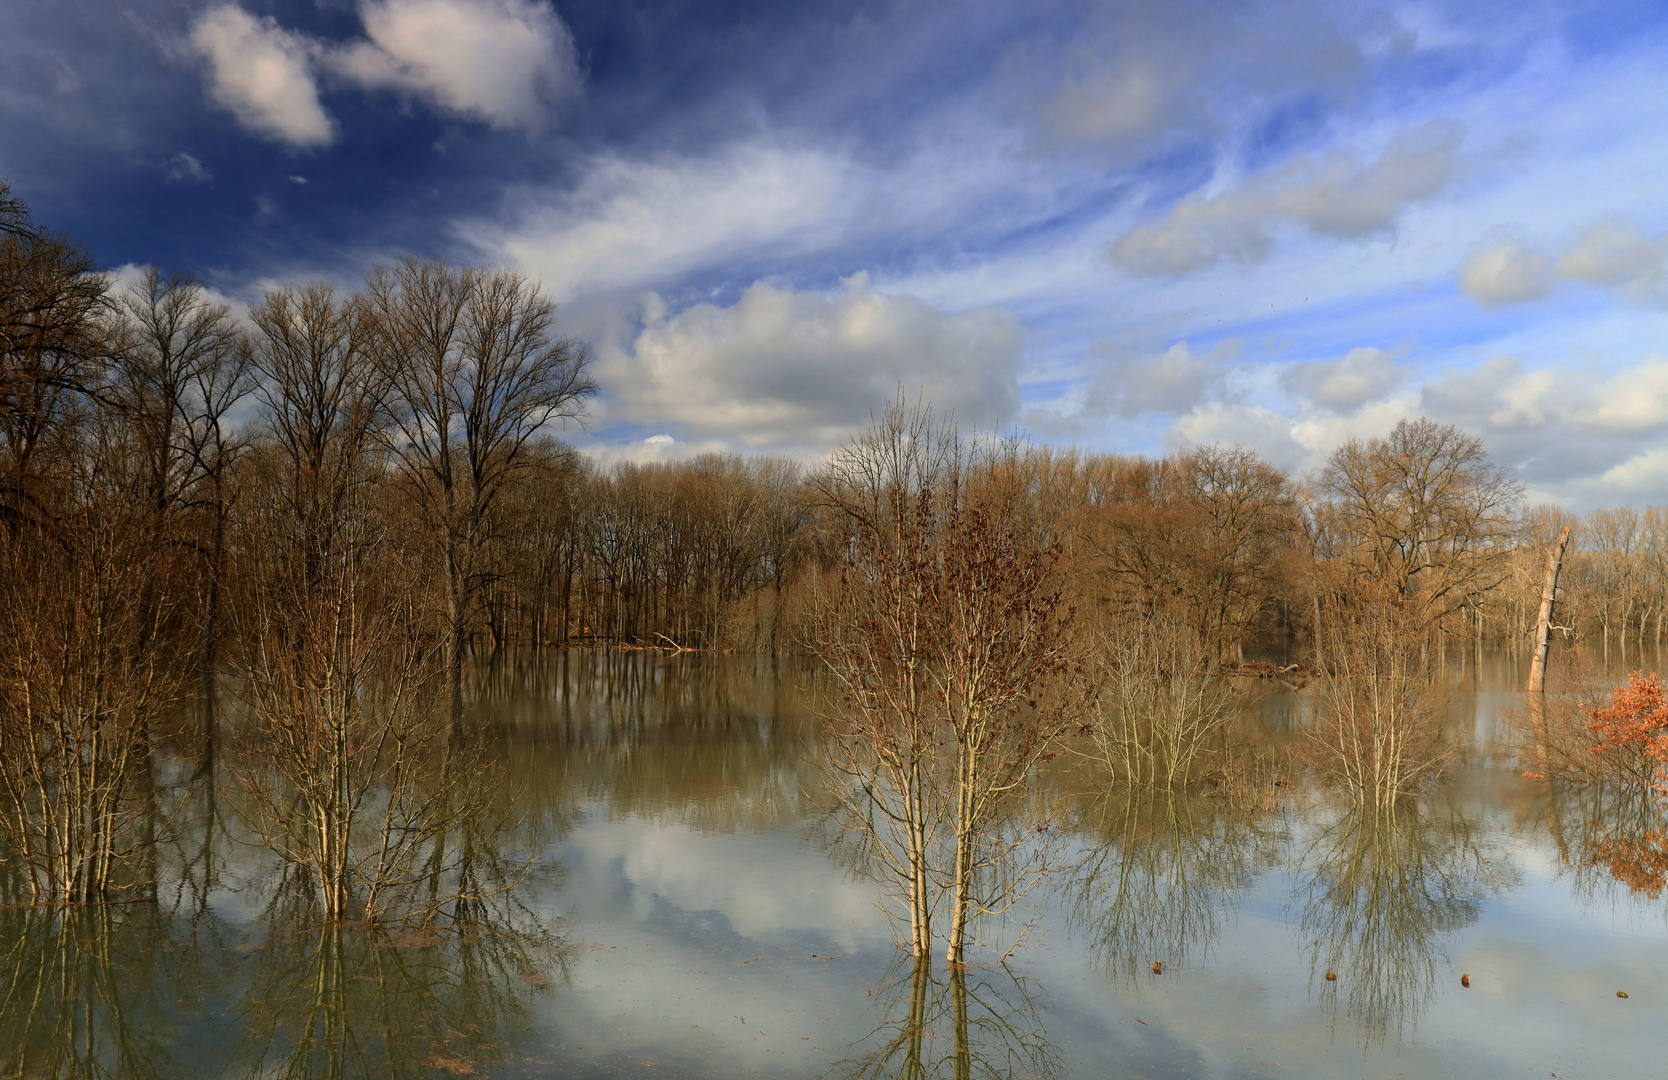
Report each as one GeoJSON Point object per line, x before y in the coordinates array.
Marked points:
{"type": "Point", "coordinates": [947, 640]}
{"type": "Point", "coordinates": [1163, 715]}
{"type": "Point", "coordinates": [474, 373]}
{"type": "Point", "coordinates": [91, 599]}
{"type": "Point", "coordinates": [1377, 729]}
{"type": "Point", "coordinates": [351, 778]}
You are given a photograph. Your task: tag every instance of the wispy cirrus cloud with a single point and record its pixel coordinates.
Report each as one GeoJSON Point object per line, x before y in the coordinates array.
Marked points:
{"type": "Point", "coordinates": [1339, 196]}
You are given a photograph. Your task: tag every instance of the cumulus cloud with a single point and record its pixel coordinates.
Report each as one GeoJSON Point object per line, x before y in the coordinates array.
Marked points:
{"type": "Point", "coordinates": [1505, 273]}
{"type": "Point", "coordinates": [1253, 426]}
{"type": "Point", "coordinates": [504, 62]}
{"type": "Point", "coordinates": [1337, 196]}
{"type": "Point", "coordinates": [1360, 376]}
{"type": "Point", "coordinates": [782, 367]}
{"type": "Point", "coordinates": [1173, 381]}
{"type": "Point", "coordinates": [1573, 438]}
{"type": "Point", "coordinates": [263, 74]}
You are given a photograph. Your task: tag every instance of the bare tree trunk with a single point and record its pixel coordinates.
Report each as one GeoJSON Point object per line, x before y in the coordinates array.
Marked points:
{"type": "Point", "coordinates": [1543, 624]}
{"type": "Point", "coordinates": [1319, 666]}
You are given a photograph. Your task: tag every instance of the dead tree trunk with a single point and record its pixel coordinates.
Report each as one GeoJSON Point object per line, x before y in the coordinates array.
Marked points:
{"type": "Point", "coordinates": [1543, 625]}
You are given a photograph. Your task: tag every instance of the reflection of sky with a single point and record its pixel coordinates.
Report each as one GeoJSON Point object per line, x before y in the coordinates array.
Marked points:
{"type": "Point", "coordinates": [681, 935]}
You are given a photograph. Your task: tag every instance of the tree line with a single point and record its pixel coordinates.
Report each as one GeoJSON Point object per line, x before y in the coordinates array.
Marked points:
{"type": "Point", "coordinates": [331, 504]}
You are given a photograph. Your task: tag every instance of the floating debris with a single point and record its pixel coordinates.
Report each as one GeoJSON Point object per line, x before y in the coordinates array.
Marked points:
{"type": "Point", "coordinates": [1332, 976]}
{"type": "Point", "coordinates": [1158, 967]}
{"type": "Point", "coordinates": [1621, 993]}
{"type": "Point", "coordinates": [1465, 981]}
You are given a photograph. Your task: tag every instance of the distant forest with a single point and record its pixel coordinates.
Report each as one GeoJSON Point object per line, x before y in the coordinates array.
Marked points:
{"type": "Point", "coordinates": [160, 456]}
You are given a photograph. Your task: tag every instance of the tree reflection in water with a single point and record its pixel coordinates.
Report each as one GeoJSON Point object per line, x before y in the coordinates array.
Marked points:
{"type": "Point", "coordinates": [709, 741]}
{"type": "Point", "coordinates": [338, 1000]}
{"type": "Point", "coordinates": [1612, 837]}
{"type": "Point", "coordinates": [162, 989]}
{"type": "Point", "coordinates": [96, 991]}
{"type": "Point", "coordinates": [1379, 891]}
{"type": "Point", "coordinates": [973, 1022]}
{"type": "Point", "coordinates": [1166, 870]}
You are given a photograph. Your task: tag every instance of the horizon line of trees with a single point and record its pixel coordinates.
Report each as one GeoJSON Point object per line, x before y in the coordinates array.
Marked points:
{"type": "Point", "coordinates": [395, 498]}
{"type": "Point", "coordinates": [443, 387]}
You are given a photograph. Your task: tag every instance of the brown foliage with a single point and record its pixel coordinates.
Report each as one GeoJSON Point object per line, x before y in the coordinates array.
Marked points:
{"type": "Point", "coordinates": [1632, 730]}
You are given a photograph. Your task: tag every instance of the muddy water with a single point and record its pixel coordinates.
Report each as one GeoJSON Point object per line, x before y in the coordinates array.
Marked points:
{"type": "Point", "coordinates": [686, 912]}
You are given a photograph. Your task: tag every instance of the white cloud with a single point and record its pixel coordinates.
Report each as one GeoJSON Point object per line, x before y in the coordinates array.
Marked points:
{"type": "Point", "coordinates": [1506, 273]}
{"type": "Point", "coordinates": [805, 369]}
{"type": "Point", "coordinates": [631, 224]}
{"type": "Point", "coordinates": [1358, 377]}
{"type": "Point", "coordinates": [1295, 443]}
{"type": "Point", "coordinates": [1620, 258]}
{"type": "Point", "coordinates": [263, 74]}
{"type": "Point", "coordinates": [1575, 439]}
{"type": "Point", "coordinates": [184, 168]}
{"type": "Point", "coordinates": [1633, 399]}
{"type": "Point", "coordinates": [505, 62]}
{"type": "Point", "coordinates": [654, 448]}
{"type": "Point", "coordinates": [1612, 256]}
{"type": "Point", "coordinates": [1173, 381]}
{"type": "Point", "coordinates": [1338, 196]}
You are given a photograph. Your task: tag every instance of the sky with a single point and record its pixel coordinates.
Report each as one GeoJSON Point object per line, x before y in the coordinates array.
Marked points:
{"type": "Point", "coordinates": [1125, 226]}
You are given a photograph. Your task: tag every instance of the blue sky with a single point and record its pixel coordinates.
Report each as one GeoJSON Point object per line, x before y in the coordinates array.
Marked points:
{"type": "Point", "coordinates": [1128, 226]}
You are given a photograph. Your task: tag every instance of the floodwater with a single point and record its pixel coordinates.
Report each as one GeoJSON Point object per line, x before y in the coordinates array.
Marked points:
{"type": "Point", "coordinates": [688, 912]}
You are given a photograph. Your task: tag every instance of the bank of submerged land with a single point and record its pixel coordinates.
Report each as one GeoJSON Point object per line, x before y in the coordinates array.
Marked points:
{"type": "Point", "coordinates": [680, 904]}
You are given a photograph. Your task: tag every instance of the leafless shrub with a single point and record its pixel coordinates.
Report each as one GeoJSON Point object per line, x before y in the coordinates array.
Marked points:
{"type": "Point", "coordinates": [946, 640]}
{"type": "Point", "coordinates": [1162, 715]}
{"type": "Point", "coordinates": [1377, 729]}
{"type": "Point", "coordinates": [87, 663]}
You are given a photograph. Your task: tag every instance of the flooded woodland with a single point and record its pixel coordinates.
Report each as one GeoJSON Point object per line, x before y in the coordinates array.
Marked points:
{"type": "Point", "coordinates": [680, 906]}
{"type": "Point", "coordinates": [351, 725]}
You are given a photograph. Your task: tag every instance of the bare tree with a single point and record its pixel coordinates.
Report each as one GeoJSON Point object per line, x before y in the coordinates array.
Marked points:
{"type": "Point", "coordinates": [184, 366]}
{"type": "Point", "coordinates": [88, 660]}
{"type": "Point", "coordinates": [947, 640]}
{"type": "Point", "coordinates": [1424, 511]}
{"type": "Point", "coordinates": [475, 373]}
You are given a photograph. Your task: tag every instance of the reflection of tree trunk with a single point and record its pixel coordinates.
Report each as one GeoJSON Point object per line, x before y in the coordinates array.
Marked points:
{"type": "Point", "coordinates": [920, 988]}
{"type": "Point", "coordinates": [1543, 624]}
{"type": "Point", "coordinates": [958, 1000]}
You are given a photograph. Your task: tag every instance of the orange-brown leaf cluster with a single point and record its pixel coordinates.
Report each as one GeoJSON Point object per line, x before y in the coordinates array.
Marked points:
{"type": "Point", "coordinates": [1635, 720]}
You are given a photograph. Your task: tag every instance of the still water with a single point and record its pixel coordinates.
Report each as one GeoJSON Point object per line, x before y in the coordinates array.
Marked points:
{"type": "Point", "coordinates": [686, 912]}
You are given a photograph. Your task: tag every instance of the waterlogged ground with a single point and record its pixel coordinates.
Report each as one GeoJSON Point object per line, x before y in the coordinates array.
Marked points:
{"type": "Point", "coordinates": [687, 916]}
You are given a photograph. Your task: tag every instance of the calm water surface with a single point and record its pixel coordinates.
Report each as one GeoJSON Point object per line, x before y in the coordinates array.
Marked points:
{"type": "Point", "coordinates": [685, 915]}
